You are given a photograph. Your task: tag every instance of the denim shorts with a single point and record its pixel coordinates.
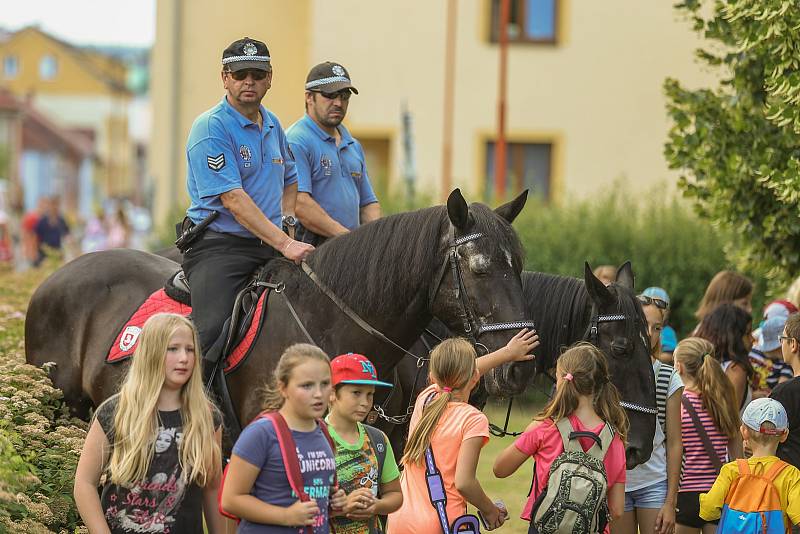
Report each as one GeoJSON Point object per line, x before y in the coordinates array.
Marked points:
{"type": "Point", "coordinates": [652, 496]}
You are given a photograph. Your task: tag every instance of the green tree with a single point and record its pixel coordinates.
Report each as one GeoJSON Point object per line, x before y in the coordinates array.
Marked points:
{"type": "Point", "coordinates": [738, 143]}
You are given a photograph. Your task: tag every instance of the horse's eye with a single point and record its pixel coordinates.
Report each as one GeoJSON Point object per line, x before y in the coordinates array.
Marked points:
{"type": "Point", "coordinates": [619, 346]}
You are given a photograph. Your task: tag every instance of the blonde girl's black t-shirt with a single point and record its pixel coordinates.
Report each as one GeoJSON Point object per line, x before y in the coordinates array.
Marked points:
{"type": "Point", "coordinates": [163, 502]}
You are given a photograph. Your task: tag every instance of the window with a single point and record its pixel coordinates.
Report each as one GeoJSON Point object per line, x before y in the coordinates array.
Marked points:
{"type": "Point", "coordinates": [376, 156]}
{"type": "Point", "coordinates": [10, 67]}
{"type": "Point", "coordinates": [48, 67]}
{"type": "Point", "coordinates": [529, 21]}
{"type": "Point", "coordinates": [527, 167]}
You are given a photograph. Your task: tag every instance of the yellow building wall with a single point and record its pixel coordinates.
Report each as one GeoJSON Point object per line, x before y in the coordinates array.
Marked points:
{"type": "Point", "coordinates": [596, 94]}
{"type": "Point", "coordinates": [185, 76]}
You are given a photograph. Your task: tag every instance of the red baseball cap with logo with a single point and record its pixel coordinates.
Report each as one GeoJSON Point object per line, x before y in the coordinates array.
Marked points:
{"type": "Point", "coordinates": [354, 368]}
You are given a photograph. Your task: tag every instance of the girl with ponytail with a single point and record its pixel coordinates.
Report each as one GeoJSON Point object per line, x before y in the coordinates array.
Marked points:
{"type": "Point", "coordinates": [455, 431]}
{"type": "Point", "coordinates": [585, 396]}
{"type": "Point", "coordinates": [709, 426]}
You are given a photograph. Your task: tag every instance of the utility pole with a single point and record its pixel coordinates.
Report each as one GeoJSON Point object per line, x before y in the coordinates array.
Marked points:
{"type": "Point", "coordinates": [449, 98]}
{"type": "Point", "coordinates": [500, 143]}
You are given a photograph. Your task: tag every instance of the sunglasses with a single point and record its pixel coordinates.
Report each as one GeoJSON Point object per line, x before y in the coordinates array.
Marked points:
{"type": "Point", "coordinates": [658, 303]}
{"type": "Point", "coordinates": [344, 95]}
{"type": "Point", "coordinates": [241, 75]}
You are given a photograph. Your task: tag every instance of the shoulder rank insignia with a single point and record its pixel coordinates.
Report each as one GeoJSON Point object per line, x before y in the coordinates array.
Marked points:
{"type": "Point", "coordinates": [216, 163]}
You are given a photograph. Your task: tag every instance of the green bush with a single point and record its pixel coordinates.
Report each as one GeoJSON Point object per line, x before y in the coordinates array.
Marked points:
{"type": "Point", "coordinates": [39, 443]}
{"type": "Point", "coordinates": [667, 244]}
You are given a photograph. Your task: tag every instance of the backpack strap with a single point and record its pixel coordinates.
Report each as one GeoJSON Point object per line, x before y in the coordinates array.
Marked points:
{"type": "Point", "coordinates": [775, 470]}
{"type": "Point", "coordinates": [377, 441]}
{"type": "Point", "coordinates": [569, 437]}
{"type": "Point", "coordinates": [324, 427]}
{"type": "Point", "coordinates": [435, 483]}
{"type": "Point", "coordinates": [288, 453]}
{"type": "Point", "coordinates": [744, 467]}
{"type": "Point", "coordinates": [701, 431]}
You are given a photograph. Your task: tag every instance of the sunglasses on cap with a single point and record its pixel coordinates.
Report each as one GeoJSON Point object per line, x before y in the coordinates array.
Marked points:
{"type": "Point", "coordinates": [344, 94]}
{"type": "Point", "coordinates": [658, 303]}
{"type": "Point", "coordinates": [241, 75]}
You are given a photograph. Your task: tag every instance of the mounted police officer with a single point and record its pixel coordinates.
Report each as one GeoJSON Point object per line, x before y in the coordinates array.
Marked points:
{"type": "Point", "coordinates": [239, 167]}
{"type": "Point", "coordinates": [334, 194]}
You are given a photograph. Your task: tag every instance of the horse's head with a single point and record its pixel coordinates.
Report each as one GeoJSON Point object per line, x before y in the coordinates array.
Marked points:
{"type": "Point", "coordinates": [477, 292]}
{"type": "Point", "coordinates": [618, 328]}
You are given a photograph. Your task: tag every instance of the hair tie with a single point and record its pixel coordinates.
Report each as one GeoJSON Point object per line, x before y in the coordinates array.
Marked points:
{"type": "Point", "coordinates": [447, 389]}
{"type": "Point", "coordinates": [568, 377]}
{"type": "Point", "coordinates": [704, 356]}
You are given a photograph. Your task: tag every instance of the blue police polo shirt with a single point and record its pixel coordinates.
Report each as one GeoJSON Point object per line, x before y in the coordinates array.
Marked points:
{"type": "Point", "coordinates": [227, 151]}
{"type": "Point", "coordinates": [336, 176]}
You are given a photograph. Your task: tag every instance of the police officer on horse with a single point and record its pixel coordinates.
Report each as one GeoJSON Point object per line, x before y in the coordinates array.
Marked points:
{"type": "Point", "coordinates": [242, 178]}
{"type": "Point", "coordinates": [334, 191]}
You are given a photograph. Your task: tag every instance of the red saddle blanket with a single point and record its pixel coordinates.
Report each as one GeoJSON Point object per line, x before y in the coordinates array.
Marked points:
{"type": "Point", "coordinates": [128, 338]}
{"type": "Point", "coordinates": [159, 302]}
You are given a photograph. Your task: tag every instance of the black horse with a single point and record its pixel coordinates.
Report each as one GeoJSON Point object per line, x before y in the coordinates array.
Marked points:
{"type": "Point", "coordinates": [459, 263]}
{"type": "Point", "coordinates": [567, 310]}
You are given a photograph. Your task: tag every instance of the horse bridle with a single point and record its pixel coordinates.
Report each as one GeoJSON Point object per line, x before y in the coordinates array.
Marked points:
{"type": "Point", "coordinates": [593, 336]}
{"type": "Point", "coordinates": [473, 328]}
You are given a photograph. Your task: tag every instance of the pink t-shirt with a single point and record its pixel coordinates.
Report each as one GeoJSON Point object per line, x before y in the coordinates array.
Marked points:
{"type": "Point", "coordinates": [458, 423]}
{"type": "Point", "coordinates": [544, 444]}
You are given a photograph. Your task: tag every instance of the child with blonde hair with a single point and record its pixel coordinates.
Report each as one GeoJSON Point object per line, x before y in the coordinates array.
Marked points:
{"type": "Point", "coordinates": [257, 488]}
{"type": "Point", "coordinates": [585, 402]}
{"type": "Point", "coordinates": [453, 431]}
{"type": "Point", "coordinates": [157, 441]}
{"type": "Point", "coordinates": [709, 426]}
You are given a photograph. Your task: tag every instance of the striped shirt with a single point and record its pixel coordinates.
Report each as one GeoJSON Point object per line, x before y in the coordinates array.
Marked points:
{"type": "Point", "coordinates": [697, 471]}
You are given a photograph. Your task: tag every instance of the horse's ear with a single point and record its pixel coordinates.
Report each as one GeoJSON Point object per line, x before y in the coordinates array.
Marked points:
{"type": "Point", "coordinates": [458, 210]}
{"type": "Point", "coordinates": [510, 210]}
{"type": "Point", "coordinates": [597, 289]}
{"type": "Point", "coordinates": [625, 276]}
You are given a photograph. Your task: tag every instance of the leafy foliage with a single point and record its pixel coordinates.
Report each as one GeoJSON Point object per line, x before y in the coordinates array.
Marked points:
{"type": "Point", "coordinates": [738, 143]}
{"type": "Point", "coordinates": [39, 443]}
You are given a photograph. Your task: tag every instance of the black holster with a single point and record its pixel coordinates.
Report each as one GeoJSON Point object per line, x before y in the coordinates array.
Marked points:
{"type": "Point", "coordinates": [187, 232]}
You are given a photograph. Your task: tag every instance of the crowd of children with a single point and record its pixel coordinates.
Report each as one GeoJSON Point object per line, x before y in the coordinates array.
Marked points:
{"type": "Point", "coordinates": [721, 461]}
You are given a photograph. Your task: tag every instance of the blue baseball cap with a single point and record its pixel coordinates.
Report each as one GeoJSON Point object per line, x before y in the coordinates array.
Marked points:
{"type": "Point", "coordinates": [656, 293]}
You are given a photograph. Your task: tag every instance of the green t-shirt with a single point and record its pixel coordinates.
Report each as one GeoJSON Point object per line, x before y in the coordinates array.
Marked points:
{"type": "Point", "coordinates": [357, 467]}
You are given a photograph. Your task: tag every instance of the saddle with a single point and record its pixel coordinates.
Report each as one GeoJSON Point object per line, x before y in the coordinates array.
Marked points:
{"type": "Point", "coordinates": [239, 330]}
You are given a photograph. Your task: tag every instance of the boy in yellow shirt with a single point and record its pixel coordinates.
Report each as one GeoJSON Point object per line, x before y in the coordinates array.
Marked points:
{"type": "Point", "coordinates": [764, 426]}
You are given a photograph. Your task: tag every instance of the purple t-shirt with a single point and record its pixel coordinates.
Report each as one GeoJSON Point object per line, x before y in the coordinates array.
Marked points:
{"type": "Point", "coordinates": [258, 445]}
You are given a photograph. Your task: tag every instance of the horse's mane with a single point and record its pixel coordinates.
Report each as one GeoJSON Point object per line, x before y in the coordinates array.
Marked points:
{"type": "Point", "coordinates": [561, 308]}
{"type": "Point", "coordinates": [390, 260]}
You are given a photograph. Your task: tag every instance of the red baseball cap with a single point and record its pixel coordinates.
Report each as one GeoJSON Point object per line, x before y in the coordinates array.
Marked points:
{"type": "Point", "coordinates": [353, 368]}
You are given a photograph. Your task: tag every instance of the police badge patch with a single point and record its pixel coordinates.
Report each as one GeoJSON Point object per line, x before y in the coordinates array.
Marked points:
{"type": "Point", "coordinates": [338, 70]}
{"type": "Point", "coordinates": [249, 49]}
{"type": "Point", "coordinates": [327, 165]}
{"type": "Point", "coordinates": [216, 163]}
{"type": "Point", "coordinates": [244, 151]}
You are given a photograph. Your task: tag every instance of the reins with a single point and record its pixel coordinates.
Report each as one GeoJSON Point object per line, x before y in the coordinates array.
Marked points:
{"type": "Point", "coordinates": [473, 328]}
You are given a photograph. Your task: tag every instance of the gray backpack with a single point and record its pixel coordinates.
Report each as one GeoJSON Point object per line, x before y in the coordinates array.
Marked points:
{"type": "Point", "coordinates": [574, 500]}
